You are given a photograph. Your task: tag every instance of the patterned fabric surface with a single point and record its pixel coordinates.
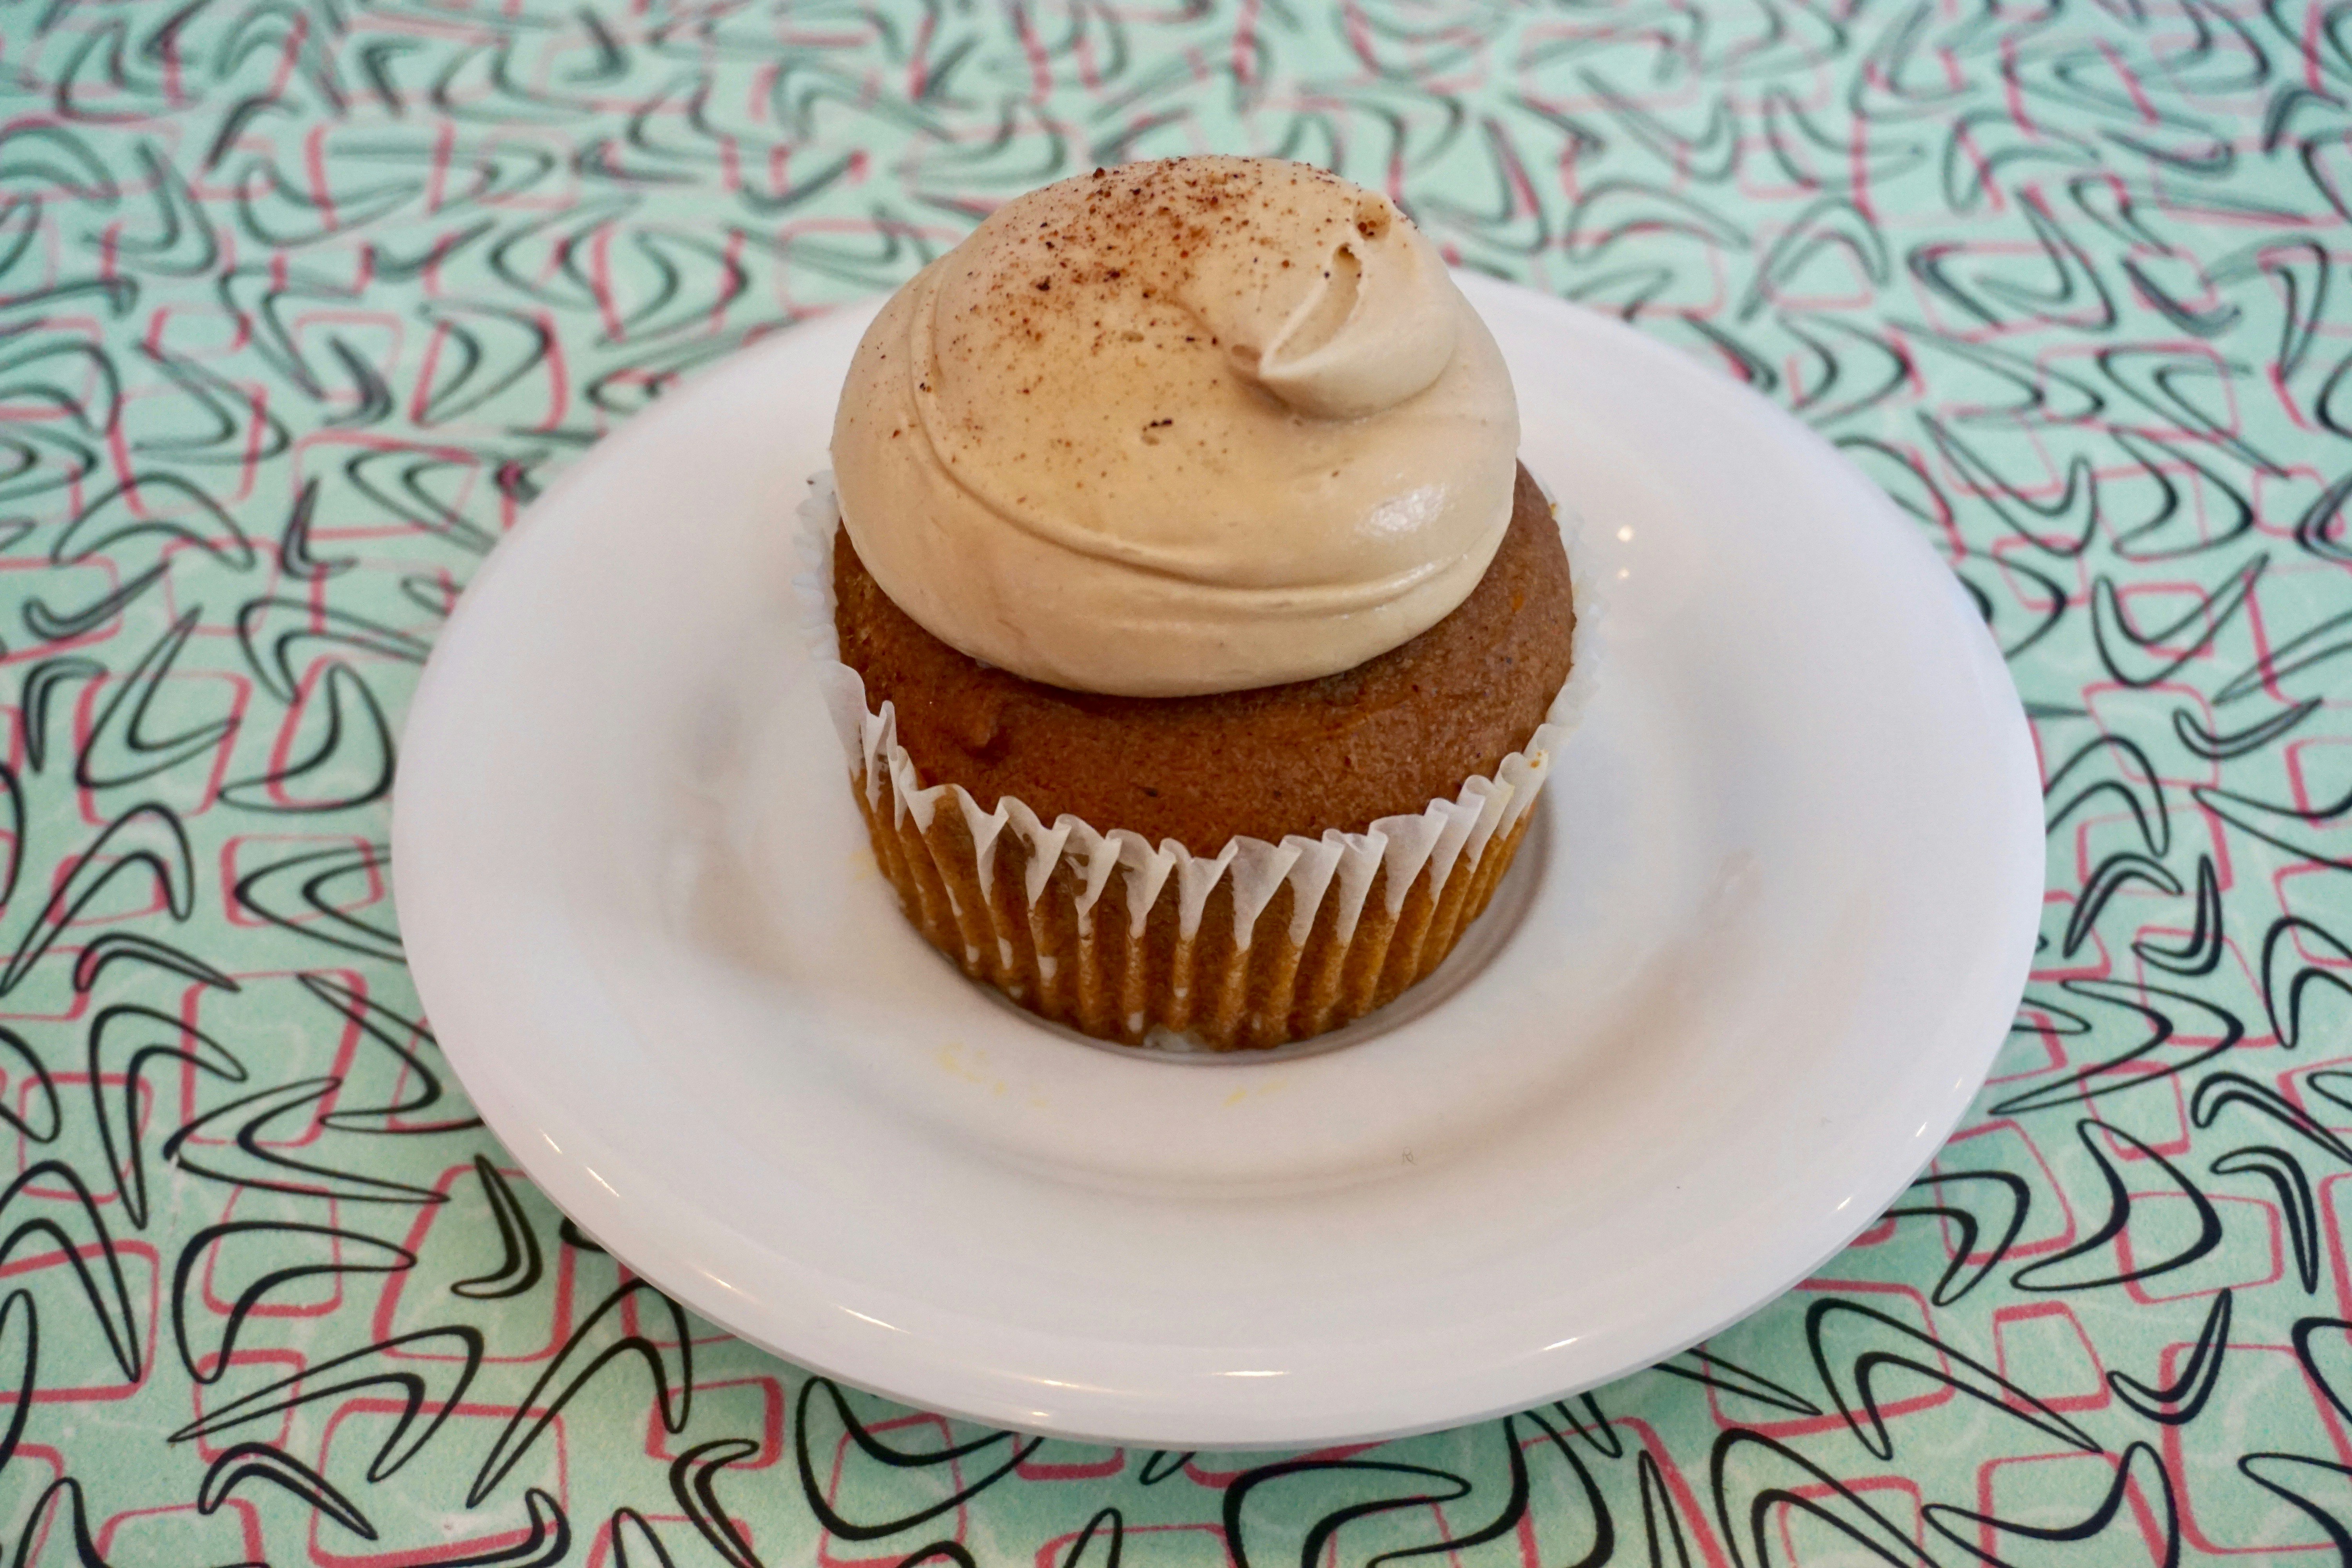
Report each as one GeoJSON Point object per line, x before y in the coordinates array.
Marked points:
{"type": "Point", "coordinates": [301, 301]}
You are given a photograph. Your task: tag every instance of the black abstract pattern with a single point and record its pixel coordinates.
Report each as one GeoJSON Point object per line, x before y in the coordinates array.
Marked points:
{"type": "Point", "coordinates": [301, 301]}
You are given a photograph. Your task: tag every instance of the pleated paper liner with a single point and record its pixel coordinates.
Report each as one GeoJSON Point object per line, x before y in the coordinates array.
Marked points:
{"type": "Point", "coordinates": [1099, 930]}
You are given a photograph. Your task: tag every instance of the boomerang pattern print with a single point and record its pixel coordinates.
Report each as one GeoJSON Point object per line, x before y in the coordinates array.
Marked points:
{"type": "Point", "coordinates": [301, 301]}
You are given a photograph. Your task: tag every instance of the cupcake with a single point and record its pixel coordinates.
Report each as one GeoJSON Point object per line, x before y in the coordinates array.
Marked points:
{"type": "Point", "coordinates": [1191, 624]}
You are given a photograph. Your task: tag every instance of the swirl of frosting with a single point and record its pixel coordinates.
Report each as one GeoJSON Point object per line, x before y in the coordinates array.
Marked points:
{"type": "Point", "coordinates": [1179, 427]}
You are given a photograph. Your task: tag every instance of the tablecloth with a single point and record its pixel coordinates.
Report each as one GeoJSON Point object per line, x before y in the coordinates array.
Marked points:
{"type": "Point", "coordinates": [302, 303]}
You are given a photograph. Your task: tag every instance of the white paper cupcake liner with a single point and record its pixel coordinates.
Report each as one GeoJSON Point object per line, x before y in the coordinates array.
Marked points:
{"type": "Point", "coordinates": [1204, 953]}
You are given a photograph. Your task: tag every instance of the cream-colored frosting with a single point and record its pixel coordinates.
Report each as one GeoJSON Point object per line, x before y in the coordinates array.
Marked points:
{"type": "Point", "coordinates": [1188, 426]}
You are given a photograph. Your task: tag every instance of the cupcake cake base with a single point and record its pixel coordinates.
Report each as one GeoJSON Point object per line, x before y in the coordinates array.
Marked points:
{"type": "Point", "coordinates": [1096, 927]}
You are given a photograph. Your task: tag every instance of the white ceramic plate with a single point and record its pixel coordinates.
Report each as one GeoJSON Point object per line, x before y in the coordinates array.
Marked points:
{"type": "Point", "coordinates": [1741, 984]}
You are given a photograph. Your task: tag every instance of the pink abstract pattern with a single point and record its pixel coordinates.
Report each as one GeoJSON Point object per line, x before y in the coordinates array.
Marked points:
{"type": "Point", "coordinates": [301, 301]}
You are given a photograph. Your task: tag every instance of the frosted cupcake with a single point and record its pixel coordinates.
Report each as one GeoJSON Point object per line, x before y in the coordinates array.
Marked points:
{"type": "Point", "coordinates": [1192, 627]}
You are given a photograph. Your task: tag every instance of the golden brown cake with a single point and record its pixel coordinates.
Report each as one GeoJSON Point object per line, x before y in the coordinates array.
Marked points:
{"type": "Point", "coordinates": [1339, 751]}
